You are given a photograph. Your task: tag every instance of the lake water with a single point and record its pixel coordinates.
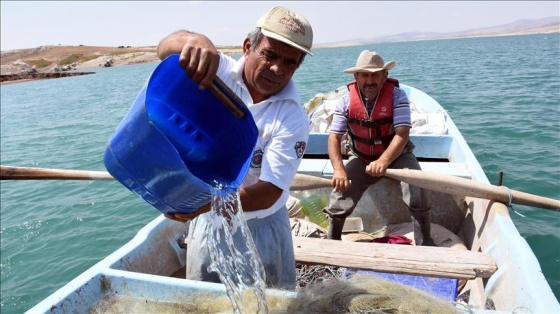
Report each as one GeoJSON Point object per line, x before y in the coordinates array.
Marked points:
{"type": "Point", "coordinates": [502, 92]}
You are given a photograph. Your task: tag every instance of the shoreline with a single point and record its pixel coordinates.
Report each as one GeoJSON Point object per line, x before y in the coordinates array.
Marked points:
{"type": "Point", "coordinates": [20, 70]}
{"type": "Point", "coordinates": [21, 61]}
{"type": "Point", "coordinates": [25, 77]}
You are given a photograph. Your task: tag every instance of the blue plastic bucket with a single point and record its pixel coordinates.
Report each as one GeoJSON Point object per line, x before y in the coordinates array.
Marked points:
{"type": "Point", "coordinates": [177, 142]}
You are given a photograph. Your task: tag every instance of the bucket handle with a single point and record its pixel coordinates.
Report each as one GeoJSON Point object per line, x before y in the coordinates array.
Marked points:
{"type": "Point", "coordinates": [227, 97]}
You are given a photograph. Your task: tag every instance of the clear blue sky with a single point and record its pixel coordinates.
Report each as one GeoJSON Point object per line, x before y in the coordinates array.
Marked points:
{"type": "Point", "coordinates": [29, 24]}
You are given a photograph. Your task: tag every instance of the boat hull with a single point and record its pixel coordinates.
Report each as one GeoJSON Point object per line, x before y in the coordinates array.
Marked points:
{"type": "Point", "coordinates": [142, 268]}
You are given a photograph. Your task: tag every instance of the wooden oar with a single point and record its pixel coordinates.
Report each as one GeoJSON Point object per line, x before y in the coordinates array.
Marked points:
{"type": "Point", "coordinates": [307, 182]}
{"type": "Point", "coordinates": [465, 187]}
{"type": "Point", "coordinates": [424, 179]}
{"type": "Point", "coordinates": [445, 184]}
{"type": "Point", "coordinates": [300, 182]}
{"type": "Point", "coordinates": [29, 173]}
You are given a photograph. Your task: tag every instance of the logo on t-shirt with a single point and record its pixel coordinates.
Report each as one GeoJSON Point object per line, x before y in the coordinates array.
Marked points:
{"type": "Point", "coordinates": [300, 149]}
{"type": "Point", "coordinates": [256, 161]}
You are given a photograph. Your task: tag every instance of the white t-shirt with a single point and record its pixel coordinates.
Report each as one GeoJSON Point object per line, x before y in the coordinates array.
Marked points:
{"type": "Point", "coordinates": [283, 133]}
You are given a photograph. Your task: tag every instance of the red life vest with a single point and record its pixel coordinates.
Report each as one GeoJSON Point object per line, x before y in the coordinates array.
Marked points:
{"type": "Point", "coordinates": [370, 136]}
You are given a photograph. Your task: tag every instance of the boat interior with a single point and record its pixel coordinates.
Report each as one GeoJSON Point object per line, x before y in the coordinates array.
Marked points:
{"type": "Point", "coordinates": [151, 266]}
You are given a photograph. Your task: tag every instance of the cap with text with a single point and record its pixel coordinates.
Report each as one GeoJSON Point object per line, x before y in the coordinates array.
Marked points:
{"type": "Point", "coordinates": [288, 27]}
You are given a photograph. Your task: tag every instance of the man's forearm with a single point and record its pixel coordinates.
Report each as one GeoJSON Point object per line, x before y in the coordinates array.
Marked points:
{"type": "Point", "coordinates": [173, 43]}
{"type": "Point", "coordinates": [260, 195]}
{"type": "Point", "coordinates": [335, 155]}
{"type": "Point", "coordinates": [394, 150]}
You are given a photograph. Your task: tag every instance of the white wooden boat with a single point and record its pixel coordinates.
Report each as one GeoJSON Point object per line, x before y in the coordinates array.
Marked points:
{"type": "Point", "coordinates": [494, 264]}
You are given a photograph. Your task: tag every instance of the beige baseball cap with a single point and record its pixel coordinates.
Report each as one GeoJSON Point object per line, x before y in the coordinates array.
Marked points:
{"type": "Point", "coordinates": [288, 27]}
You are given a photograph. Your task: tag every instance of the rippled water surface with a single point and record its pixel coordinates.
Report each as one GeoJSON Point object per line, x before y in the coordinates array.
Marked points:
{"type": "Point", "coordinates": [502, 92]}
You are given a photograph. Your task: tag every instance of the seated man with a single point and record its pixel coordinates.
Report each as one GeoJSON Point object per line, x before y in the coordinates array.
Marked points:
{"type": "Point", "coordinates": [376, 116]}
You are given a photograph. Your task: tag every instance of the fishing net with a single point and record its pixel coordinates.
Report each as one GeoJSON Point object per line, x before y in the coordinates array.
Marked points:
{"type": "Point", "coordinates": [366, 294]}
{"type": "Point", "coordinates": [307, 275]}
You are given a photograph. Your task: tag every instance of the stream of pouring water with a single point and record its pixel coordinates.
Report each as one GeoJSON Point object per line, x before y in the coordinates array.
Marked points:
{"type": "Point", "coordinates": [233, 252]}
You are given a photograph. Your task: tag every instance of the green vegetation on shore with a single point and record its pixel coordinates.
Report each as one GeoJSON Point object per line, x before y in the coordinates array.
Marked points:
{"type": "Point", "coordinates": [40, 63]}
{"type": "Point", "coordinates": [70, 59]}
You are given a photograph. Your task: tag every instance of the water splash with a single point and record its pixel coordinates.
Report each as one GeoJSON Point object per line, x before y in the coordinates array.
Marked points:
{"type": "Point", "coordinates": [233, 252]}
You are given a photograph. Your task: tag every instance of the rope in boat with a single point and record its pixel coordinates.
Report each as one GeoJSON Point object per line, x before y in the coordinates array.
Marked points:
{"type": "Point", "coordinates": [510, 200]}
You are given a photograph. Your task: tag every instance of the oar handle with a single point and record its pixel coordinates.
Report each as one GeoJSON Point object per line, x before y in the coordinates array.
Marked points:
{"type": "Point", "coordinates": [28, 173]}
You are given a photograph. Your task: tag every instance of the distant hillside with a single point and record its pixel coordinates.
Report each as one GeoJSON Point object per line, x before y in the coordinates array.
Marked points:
{"type": "Point", "coordinates": [521, 27]}
{"type": "Point", "coordinates": [59, 59]}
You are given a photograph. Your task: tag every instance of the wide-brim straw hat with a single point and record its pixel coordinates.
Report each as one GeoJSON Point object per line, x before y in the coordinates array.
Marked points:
{"type": "Point", "coordinates": [370, 61]}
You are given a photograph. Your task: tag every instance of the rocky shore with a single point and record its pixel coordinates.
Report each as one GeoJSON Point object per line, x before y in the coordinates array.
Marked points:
{"type": "Point", "coordinates": [48, 62]}
{"type": "Point", "coordinates": [21, 77]}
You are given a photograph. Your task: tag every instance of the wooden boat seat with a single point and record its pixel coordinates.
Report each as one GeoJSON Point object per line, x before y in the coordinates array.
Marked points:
{"type": "Point", "coordinates": [431, 150]}
{"type": "Point", "coordinates": [393, 258]}
{"type": "Point", "coordinates": [457, 169]}
{"type": "Point", "coordinates": [426, 145]}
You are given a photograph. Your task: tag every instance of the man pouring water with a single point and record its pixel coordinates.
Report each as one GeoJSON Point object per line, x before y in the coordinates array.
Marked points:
{"type": "Point", "coordinates": [262, 79]}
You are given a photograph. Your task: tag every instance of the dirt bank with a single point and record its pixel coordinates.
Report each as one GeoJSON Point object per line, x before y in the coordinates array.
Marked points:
{"type": "Point", "coordinates": [16, 64]}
